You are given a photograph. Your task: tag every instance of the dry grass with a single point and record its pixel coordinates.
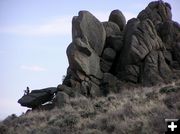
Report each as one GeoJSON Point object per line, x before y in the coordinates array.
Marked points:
{"type": "Point", "coordinates": [132, 111]}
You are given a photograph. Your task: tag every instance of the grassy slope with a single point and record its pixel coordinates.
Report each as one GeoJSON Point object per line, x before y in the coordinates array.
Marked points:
{"type": "Point", "coordinates": [132, 111]}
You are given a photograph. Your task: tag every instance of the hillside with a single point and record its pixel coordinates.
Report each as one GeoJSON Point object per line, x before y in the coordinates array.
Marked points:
{"type": "Point", "coordinates": [135, 110]}
{"type": "Point", "coordinates": [123, 78]}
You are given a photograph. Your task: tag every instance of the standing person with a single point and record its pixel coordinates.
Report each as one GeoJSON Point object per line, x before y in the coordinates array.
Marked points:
{"type": "Point", "coordinates": [26, 92]}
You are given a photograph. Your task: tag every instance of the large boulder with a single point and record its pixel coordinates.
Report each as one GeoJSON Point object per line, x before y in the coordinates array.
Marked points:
{"type": "Point", "coordinates": [83, 60]}
{"type": "Point", "coordinates": [37, 97]}
{"type": "Point", "coordinates": [117, 17]}
{"type": "Point", "coordinates": [86, 25]}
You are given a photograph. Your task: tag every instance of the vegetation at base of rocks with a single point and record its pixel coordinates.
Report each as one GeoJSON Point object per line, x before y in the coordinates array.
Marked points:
{"type": "Point", "coordinates": [134, 110]}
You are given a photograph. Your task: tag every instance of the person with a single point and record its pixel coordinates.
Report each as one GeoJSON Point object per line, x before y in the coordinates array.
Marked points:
{"type": "Point", "coordinates": [87, 88]}
{"type": "Point", "coordinates": [26, 92]}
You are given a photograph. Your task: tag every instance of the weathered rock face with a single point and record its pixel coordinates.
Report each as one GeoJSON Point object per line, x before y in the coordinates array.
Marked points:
{"type": "Point", "coordinates": [83, 59]}
{"type": "Point", "coordinates": [140, 38]}
{"type": "Point", "coordinates": [86, 25]}
{"type": "Point", "coordinates": [155, 69]}
{"type": "Point", "coordinates": [147, 55]}
{"type": "Point", "coordinates": [144, 51]}
{"type": "Point", "coordinates": [157, 12]}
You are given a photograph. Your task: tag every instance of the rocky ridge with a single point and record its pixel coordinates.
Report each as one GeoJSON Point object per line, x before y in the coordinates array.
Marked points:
{"type": "Point", "coordinates": [104, 55]}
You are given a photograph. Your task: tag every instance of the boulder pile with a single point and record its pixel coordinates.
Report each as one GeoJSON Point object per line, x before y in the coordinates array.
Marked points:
{"type": "Point", "coordinates": [103, 55]}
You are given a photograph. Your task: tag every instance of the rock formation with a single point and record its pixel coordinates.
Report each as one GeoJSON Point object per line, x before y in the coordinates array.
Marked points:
{"type": "Point", "coordinates": [103, 55]}
{"type": "Point", "coordinates": [36, 98]}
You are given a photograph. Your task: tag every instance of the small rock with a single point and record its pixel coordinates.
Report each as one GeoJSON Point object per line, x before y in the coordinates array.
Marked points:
{"type": "Point", "coordinates": [109, 54]}
{"type": "Point", "coordinates": [169, 89]}
{"type": "Point", "coordinates": [68, 90]}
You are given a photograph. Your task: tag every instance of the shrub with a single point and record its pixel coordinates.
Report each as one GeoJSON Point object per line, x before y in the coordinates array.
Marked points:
{"type": "Point", "coordinates": [3, 129]}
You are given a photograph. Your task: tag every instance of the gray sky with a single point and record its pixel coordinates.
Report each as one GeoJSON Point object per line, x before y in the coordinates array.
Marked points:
{"type": "Point", "coordinates": [34, 35]}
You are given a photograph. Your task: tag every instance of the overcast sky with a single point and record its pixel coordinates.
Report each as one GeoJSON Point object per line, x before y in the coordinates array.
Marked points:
{"type": "Point", "coordinates": [34, 35]}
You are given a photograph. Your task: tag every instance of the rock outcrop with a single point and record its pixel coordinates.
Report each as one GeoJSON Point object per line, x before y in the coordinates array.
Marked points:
{"type": "Point", "coordinates": [104, 55]}
{"type": "Point", "coordinates": [144, 51]}
{"type": "Point", "coordinates": [36, 98]}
